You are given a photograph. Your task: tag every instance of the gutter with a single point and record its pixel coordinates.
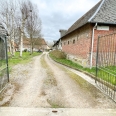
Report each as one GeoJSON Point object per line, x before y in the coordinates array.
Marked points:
{"type": "Point", "coordinates": [91, 56]}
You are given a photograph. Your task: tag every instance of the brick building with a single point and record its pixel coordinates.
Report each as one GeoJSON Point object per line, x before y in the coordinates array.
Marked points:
{"type": "Point", "coordinates": [80, 40]}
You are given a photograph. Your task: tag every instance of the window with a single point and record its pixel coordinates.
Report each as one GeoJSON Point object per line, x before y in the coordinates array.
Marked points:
{"type": "Point", "coordinates": [68, 42]}
{"type": "Point", "coordinates": [73, 41]}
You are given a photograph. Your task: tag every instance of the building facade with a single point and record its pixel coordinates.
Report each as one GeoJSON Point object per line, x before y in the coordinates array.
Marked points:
{"type": "Point", "coordinates": [80, 41]}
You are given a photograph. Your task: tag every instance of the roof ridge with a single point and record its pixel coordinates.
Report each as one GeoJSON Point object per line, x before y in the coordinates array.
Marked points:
{"type": "Point", "coordinates": [96, 11]}
{"type": "Point", "coordinates": [79, 20]}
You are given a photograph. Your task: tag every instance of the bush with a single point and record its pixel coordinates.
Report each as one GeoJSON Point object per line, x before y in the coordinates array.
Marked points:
{"type": "Point", "coordinates": [25, 50]}
{"type": "Point", "coordinates": [58, 54]}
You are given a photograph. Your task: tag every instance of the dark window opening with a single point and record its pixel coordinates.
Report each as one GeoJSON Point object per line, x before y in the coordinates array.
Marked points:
{"type": "Point", "coordinates": [73, 41]}
{"type": "Point", "coordinates": [68, 42]}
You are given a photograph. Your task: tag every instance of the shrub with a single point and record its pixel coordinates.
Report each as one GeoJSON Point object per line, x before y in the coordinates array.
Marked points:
{"type": "Point", "coordinates": [25, 50]}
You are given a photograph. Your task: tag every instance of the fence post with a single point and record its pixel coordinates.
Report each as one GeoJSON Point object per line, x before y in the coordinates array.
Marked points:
{"type": "Point", "coordinates": [7, 58]}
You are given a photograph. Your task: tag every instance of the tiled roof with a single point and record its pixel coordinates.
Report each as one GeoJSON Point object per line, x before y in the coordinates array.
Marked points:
{"type": "Point", "coordinates": [107, 13]}
{"type": "Point", "coordinates": [103, 12]}
{"type": "Point", "coordinates": [84, 19]}
{"type": "Point", "coordinates": [40, 41]}
{"type": "Point", "coordinates": [26, 41]}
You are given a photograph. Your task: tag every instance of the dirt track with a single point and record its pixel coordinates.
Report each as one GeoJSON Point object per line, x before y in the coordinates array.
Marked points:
{"type": "Point", "coordinates": [44, 84]}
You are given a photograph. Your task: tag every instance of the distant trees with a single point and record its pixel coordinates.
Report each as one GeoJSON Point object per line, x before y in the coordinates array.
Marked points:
{"type": "Point", "coordinates": [20, 18]}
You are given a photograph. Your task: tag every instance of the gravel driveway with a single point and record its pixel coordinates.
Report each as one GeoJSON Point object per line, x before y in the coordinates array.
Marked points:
{"type": "Point", "coordinates": [42, 83]}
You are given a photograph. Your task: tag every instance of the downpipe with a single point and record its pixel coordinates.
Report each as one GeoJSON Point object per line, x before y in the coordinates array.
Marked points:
{"type": "Point", "coordinates": [91, 57]}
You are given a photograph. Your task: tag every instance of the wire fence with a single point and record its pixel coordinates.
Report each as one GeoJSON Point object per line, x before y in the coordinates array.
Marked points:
{"type": "Point", "coordinates": [4, 76]}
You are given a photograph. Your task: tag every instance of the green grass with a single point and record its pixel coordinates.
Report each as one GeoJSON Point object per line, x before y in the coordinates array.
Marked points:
{"type": "Point", "coordinates": [108, 74]}
{"type": "Point", "coordinates": [26, 57]}
{"type": "Point", "coordinates": [71, 64]}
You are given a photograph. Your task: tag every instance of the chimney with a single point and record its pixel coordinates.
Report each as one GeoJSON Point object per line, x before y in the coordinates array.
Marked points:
{"type": "Point", "coordinates": [62, 32]}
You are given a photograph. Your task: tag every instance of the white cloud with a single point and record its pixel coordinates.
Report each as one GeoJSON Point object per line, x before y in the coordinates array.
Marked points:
{"type": "Point", "coordinates": [61, 14]}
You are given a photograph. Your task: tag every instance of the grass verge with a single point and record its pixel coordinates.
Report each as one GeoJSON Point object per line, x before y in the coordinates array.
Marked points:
{"type": "Point", "coordinates": [73, 65]}
{"type": "Point", "coordinates": [26, 57]}
{"type": "Point", "coordinates": [104, 75]}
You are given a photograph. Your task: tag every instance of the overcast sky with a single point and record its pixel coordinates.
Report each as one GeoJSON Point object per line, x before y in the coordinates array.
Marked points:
{"type": "Point", "coordinates": [60, 14]}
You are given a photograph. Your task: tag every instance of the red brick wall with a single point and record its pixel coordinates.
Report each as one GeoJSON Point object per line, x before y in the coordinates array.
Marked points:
{"type": "Point", "coordinates": [82, 46]}
{"type": "Point", "coordinates": [97, 33]}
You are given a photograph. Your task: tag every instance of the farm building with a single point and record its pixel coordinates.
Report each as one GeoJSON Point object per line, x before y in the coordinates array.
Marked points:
{"type": "Point", "coordinates": [80, 40]}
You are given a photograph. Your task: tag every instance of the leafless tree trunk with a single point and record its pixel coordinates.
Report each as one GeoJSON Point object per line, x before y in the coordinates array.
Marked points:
{"type": "Point", "coordinates": [13, 33]}
{"type": "Point", "coordinates": [25, 11]}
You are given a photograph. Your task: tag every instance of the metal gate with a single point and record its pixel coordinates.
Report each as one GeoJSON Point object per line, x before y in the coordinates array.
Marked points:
{"type": "Point", "coordinates": [4, 74]}
{"type": "Point", "coordinates": [106, 65]}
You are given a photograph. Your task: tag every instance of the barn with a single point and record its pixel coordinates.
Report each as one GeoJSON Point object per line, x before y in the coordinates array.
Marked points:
{"type": "Point", "coordinates": [79, 42]}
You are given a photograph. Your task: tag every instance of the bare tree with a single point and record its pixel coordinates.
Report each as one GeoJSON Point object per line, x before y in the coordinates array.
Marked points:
{"type": "Point", "coordinates": [33, 26]}
{"type": "Point", "coordinates": [24, 15]}
{"type": "Point", "coordinates": [20, 18]}
{"type": "Point", "coordinates": [7, 17]}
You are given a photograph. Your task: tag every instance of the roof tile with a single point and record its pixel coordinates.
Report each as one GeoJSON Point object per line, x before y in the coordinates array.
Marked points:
{"type": "Point", "coordinates": [107, 13]}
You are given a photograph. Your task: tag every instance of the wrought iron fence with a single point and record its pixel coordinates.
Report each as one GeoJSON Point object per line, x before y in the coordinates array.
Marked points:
{"type": "Point", "coordinates": [106, 64]}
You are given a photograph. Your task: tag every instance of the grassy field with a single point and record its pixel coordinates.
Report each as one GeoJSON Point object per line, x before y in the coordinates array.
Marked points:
{"type": "Point", "coordinates": [106, 75]}
{"type": "Point", "coordinates": [26, 57]}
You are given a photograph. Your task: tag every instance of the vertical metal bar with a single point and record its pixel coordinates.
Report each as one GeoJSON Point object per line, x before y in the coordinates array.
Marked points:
{"type": "Point", "coordinates": [110, 51]}
{"type": "Point", "coordinates": [103, 51]}
{"type": "Point", "coordinates": [7, 59]}
{"type": "Point", "coordinates": [114, 50]}
{"type": "Point", "coordinates": [107, 51]}
{"type": "Point", "coordinates": [97, 59]}
{"type": "Point", "coordinates": [100, 51]}
{"type": "Point", "coordinates": [114, 89]}
{"type": "Point", "coordinates": [114, 47]}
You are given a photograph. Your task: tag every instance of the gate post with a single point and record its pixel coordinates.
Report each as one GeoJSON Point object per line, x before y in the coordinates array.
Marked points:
{"type": "Point", "coordinates": [7, 58]}
{"type": "Point", "coordinates": [4, 70]}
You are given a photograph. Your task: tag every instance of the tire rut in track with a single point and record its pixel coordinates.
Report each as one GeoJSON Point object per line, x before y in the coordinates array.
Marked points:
{"type": "Point", "coordinates": [50, 87]}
